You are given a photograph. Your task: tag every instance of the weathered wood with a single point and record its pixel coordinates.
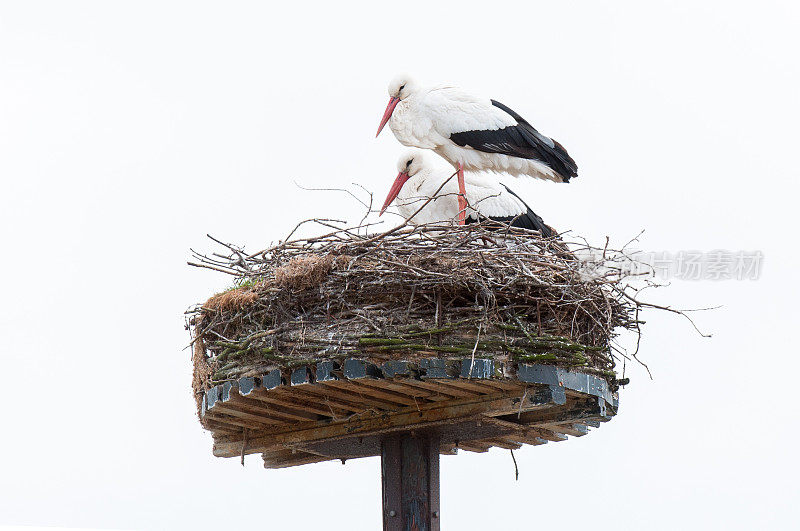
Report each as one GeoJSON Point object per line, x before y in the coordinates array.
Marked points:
{"type": "Point", "coordinates": [371, 421]}
{"type": "Point", "coordinates": [475, 446]}
{"type": "Point", "coordinates": [251, 405]}
{"type": "Point", "coordinates": [398, 387]}
{"type": "Point", "coordinates": [285, 458]}
{"type": "Point", "coordinates": [426, 391]}
{"type": "Point", "coordinates": [232, 424]}
{"type": "Point", "coordinates": [547, 435]}
{"type": "Point", "coordinates": [391, 484]}
{"type": "Point", "coordinates": [527, 438]}
{"type": "Point", "coordinates": [331, 410]}
{"type": "Point", "coordinates": [468, 385]}
{"type": "Point", "coordinates": [345, 390]}
{"type": "Point", "coordinates": [343, 401]}
{"type": "Point", "coordinates": [502, 443]}
{"type": "Point", "coordinates": [438, 387]}
{"type": "Point", "coordinates": [410, 480]}
{"type": "Point", "coordinates": [576, 430]}
{"type": "Point", "coordinates": [313, 395]}
{"type": "Point", "coordinates": [449, 430]}
{"type": "Point", "coordinates": [504, 385]}
{"type": "Point", "coordinates": [572, 413]}
{"type": "Point", "coordinates": [303, 409]}
{"type": "Point", "coordinates": [220, 428]}
{"type": "Point", "coordinates": [524, 432]}
{"type": "Point", "coordinates": [380, 391]}
{"type": "Point", "coordinates": [251, 418]}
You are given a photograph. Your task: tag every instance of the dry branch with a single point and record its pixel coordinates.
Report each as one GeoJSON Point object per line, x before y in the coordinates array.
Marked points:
{"type": "Point", "coordinates": [480, 290]}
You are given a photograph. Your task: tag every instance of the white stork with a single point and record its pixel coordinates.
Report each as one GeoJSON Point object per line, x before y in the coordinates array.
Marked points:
{"type": "Point", "coordinates": [420, 176]}
{"type": "Point", "coordinates": [472, 133]}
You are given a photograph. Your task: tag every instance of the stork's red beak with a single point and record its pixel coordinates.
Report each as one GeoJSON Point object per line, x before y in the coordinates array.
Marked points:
{"type": "Point", "coordinates": [388, 114]}
{"type": "Point", "coordinates": [401, 179]}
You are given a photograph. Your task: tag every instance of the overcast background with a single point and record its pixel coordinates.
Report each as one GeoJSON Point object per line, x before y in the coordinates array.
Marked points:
{"type": "Point", "coordinates": [129, 130]}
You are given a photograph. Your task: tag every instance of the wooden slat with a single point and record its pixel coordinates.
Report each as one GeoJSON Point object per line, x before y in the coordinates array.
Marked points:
{"type": "Point", "coordinates": [378, 389]}
{"type": "Point", "coordinates": [324, 395]}
{"type": "Point", "coordinates": [256, 407]}
{"type": "Point", "coordinates": [467, 385]}
{"type": "Point", "coordinates": [475, 446]}
{"type": "Point", "coordinates": [219, 427]}
{"type": "Point", "coordinates": [546, 434]}
{"type": "Point", "coordinates": [562, 413]}
{"type": "Point", "coordinates": [436, 387]}
{"type": "Point", "coordinates": [502, 443]}
{"type": "Point", "coordinates": [524, 431]}
{"type": "Point", "coordinates": [372, 422]}
{"type": "Point", "coordinates": [434, 393]}
{"type": "Point", "coordinates": [220, 415]}
{"type": "Point", "coordinates": [526, 438]}
{"type": "Point", "coordinates": [280, 411]}
{"type": "Point", "coordinates": [505, 385]}
{"type": "Point", "coordinates": [398, 387]}
{"type": "Point", "coordinates": [227, 409]}
{"type": "Point", "coordinates": [285, 458]}
{"type": "Point", "coordinates": [346, 390]}
{"type": "Point", "coordinates": [576, 430]}
{"type": "Point", "coordinates": [312, 410]}
{"type": "Point", "coordinates": [308, 401]}
{"type": "Point", "coordinates": [233, 424]}
{"type": "Point", "coordinates": [296, 411]}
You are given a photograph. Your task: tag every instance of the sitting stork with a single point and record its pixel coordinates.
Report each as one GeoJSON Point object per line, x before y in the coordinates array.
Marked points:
{"type": "Point", "coordinates": [420, 176]}
{"type": "Point", "coordinates": [472, 133]}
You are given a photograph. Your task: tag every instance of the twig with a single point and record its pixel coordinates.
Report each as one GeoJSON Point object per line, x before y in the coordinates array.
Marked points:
{"type": "Point", "coordinates": [244, 444]}
{"type": "Point", "coordinates": [516, 468]}
{"type": "Point", "coordinates": [475, 348]}
{"type": "Point", "coordinates": [522, 402]}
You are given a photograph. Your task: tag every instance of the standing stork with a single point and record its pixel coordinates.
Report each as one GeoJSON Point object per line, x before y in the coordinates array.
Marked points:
{"type": "Point", "coordinates": [420, 176]}
{"type": "Point", "coordinates": [472, 133]}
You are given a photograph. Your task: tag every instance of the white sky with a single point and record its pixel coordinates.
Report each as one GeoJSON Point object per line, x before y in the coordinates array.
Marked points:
{"type": "Point", "coordinates": [128, 130]}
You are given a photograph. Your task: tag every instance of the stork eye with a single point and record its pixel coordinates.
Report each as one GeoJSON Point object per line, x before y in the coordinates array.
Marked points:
{"type": "Point", "coordinates": [402, 87]}
{"type": "Point", "coordinates": [409, 162]}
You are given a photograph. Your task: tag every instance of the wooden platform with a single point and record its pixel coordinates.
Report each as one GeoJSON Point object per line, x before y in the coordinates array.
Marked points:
{"type": "Point", "coordinates": [343, 411]}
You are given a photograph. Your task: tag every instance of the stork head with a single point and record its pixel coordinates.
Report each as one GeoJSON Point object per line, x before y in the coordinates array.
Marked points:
{"type": "Point", "coordinates": [411, 163]}
{"type": "Point", "coordinates": [400, 88]}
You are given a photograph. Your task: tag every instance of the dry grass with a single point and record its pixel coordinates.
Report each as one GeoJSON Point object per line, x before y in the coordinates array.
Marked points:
{"type": "Point", "coordinates": [232, 300]}
{"type": "Point", "coordinates": [304, 272]}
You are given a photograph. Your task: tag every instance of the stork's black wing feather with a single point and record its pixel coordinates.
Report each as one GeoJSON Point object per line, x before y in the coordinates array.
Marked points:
{"type": "Point", "coordinates": [529, 220]}
{"type": "Point", "coordinates": [521, 140]}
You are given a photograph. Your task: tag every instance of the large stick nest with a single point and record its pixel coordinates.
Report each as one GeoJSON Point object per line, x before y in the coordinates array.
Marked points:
{"type": "Point", "coordinates": [422, 292]}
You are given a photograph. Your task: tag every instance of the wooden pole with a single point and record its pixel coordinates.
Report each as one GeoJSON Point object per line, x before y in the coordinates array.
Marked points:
{"type": "Point", "coordinates": [410, 479]}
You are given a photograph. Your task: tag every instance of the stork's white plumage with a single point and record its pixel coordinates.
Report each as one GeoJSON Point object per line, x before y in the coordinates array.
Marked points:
{"type": "Point", "coordinates": [478, 133]}
{"type": "Point", "coordinates": [420, 176]}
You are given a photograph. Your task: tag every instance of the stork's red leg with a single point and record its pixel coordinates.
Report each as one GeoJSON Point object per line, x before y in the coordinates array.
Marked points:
{"type": "Point", "coordinates": [462, 196]}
